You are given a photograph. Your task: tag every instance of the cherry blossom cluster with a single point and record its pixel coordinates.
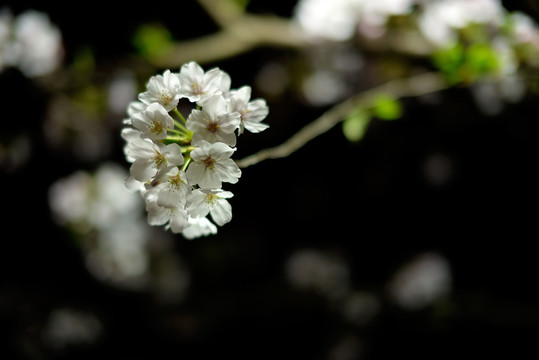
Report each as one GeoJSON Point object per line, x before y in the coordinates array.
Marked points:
{"type": "Point", "coordinates": [179, 163]}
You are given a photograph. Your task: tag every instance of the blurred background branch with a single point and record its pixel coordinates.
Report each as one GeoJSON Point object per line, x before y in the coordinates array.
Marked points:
{"type": "Point", "coordinates": [240, 32]}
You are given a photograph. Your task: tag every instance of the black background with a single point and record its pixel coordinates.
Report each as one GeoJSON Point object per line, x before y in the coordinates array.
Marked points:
{"type": "Point", "coordinates": [369, 202]}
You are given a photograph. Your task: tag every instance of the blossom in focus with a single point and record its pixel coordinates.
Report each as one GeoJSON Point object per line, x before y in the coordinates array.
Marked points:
{"type": "Point", "coordinates": [173, 189]}
{"type": "Point", "coordinates": [212, 165]}
{"type": "Point", "coordinates": [251, 112]}
{"type": "Point", "coordinates": [199, 226]}
{"type": "Point", "coordinates": [174, 217]}
{"type": "Point", "coordinates": [197, 85]}
{"type": "Point", "coordinates": [153, 122]}
{"type": "Point", "coordinates": [202, 202]}
{"type": "Point", "coordinates": [163, 89]}
{"type": "Point", "coordinates": [150, 157]}
{"type": "Point", "coordinates": [213, 123]}
{"type": "Point", "coordinates": [179, 165]}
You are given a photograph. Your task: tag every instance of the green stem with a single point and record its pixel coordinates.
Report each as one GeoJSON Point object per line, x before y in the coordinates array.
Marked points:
{"type": "Point", "coordinates": [177, 131]}
{"type": "Point", "coordinates": [186, 162]}
{"type": "Point", "coordinates": [179, 114]}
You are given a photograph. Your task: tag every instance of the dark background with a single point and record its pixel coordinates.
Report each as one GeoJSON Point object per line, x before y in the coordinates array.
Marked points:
{"type": "Point", "coordinates": [369, 202]}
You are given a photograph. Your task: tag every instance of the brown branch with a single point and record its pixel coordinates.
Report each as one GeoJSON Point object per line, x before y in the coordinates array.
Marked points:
{"type": "Point", "coordinates": [239, 36]}
{"type": "Point", "coordinates": [417, 85]}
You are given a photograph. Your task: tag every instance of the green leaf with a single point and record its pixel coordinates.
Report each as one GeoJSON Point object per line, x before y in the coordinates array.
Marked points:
{"type": "Point", "coordinates": [355, 125]}
{"type": "Point", "coordinates": [481, 59]}
{"type": "Point", "coordinates": [152, 40]}
{"type": "Point", "coordinates": [386, 107]}
{"type": "Point", "coordinates": [449, 59]}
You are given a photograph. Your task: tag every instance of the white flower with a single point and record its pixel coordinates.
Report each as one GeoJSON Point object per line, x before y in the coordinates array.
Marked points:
{"type": "Point", "coordinates": [182, 198]}
{"type": "Point", "coordinates": [153, 121]}
{"type": "Point", "coordinates": [202, 202]}
{"type": "Point", "coordinates": [197, 85]}
{"type": "Point", "coordinates": [251, 112]}
{"type": "Point", "coordinates": [198, 227]}
{"type": "Point", "coordinates": [334, 20]}
{"type": "Point", "coordinates": [37, 47]}
{"type": "Point", "coordinates": [133, 108]}
{"type": "Point", "coordinates": [440, 19]}
{"type": "Point", "coordinates": [213, 123]}
{"type": "Point", "coordinates": [163, 89]}
{"type": "Point", "coordinates": [172, 189]}
{"type": "Point", "coordinates": [150, 157]}
{"type": "Point", "coordinates": [175, 217]}
{"type": "Point", "coordinates": [212, 165]}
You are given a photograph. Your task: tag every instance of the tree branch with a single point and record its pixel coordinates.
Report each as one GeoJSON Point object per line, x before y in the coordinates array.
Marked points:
{"type": "Point", "coordinates": [236, 37]}
{"type": "Point", "coordinates": [416, 85]}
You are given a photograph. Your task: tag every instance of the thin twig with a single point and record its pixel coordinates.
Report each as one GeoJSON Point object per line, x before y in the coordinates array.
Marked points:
{"type": "Point", "coordinates": [416, 85]}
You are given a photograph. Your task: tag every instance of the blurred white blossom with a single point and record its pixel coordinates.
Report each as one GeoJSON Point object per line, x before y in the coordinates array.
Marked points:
{"type": "Point", "coordinates": [421, 282]}
{"type": "Point", "coordinates": [30, 42]}
{"type": "Point", "coordinates": [315, 270]}
{"type": "Point", "coordinates": [68, 328]}
{"type": "Point", "coordinates": [109, 220]}
{"type": "Point", "coordinates": [339, 20]}
{"type": "Point", "coordinates": [441, 18]}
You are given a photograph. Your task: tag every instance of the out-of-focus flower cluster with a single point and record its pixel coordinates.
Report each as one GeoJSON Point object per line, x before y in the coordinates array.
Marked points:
{"type": "Point", "coordinates": [179, 163]}
{"type": "Point", "coordinates": [30, 42]}
{"type": "Point", "coordinates": [441, 22]}
{"type": "Point", "coordinates": [474, 42]}
{"type": "Point", "coordinates": [119, 248]}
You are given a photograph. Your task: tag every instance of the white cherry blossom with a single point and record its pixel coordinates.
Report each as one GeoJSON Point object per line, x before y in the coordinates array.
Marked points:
{"type": "Point", "coordinates": [163, 89]}
{"type": "Point", "coordinates": [213, 123]}
{"type": "Point", "coordinates": [153, 122]}
{"type": "Point", "coordinates": [178, 165]}
{"type": "Point", "coordinates": [150, 157]}
{"type": "Point", "coordinates": [204, 202]}
{"type": "Point", "coordinates": [212, 165]}
{"type": "Point", "coordinates": [174, 218]}
{"type": "Point", "coordinates": [198, 227]}
{"type": "Point", "coordinates": [197, 85]}
{"type": "Point", "coordinates": [134, 108]}
{"type": "Point", "coordinates": [173, 189]}
{"type": "Point", "coordinates": [251, 112]}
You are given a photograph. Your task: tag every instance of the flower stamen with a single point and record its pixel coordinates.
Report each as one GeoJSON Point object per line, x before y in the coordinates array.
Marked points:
{"type": "Point", "coordinates": [209, 163]}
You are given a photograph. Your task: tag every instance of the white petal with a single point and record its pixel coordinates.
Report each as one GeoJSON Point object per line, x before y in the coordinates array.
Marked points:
{"type": "Point", "coordinates": [133, 184]}
{"type": "Point", "coordinates": [228, 171]}
{"type": "Point", "coordinates": [178, 220]}
{"type": "Point", "coordinates": [143, 170]}
{"type": "Point", "coordinates": [197, 206]}
{"type": "Point", "coordinates": [157, 215]}
{"type": "Point", "coordinates": [199, 227]}
{"type": "Point", "coordinates": [169, 197]}
{"type": "Point", "coordinates": [215, 106]}
{"type": "Point", "coordinates": [220, 151]}
{"type": "Point", "coordinates": [229, 122]}
{"type": "Point", "coordinates": [202, 151]}
{"type": "Point", "coordinates": [243, 94]}
{"type": "Point", "coordinates": [224, 194]}
{"type": "Point", "coordinates": [226, 138]}
{"type": "Point", "coordinates": [195, 172]}
{"type": "Point", "coordinates": [255, 127]}
{"type": "Point", "coordinates": [221, 212]}
{"type": "Point", "coordinates": [174, 154]}
{"type": "Point", "coordinates": [211, 180]}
